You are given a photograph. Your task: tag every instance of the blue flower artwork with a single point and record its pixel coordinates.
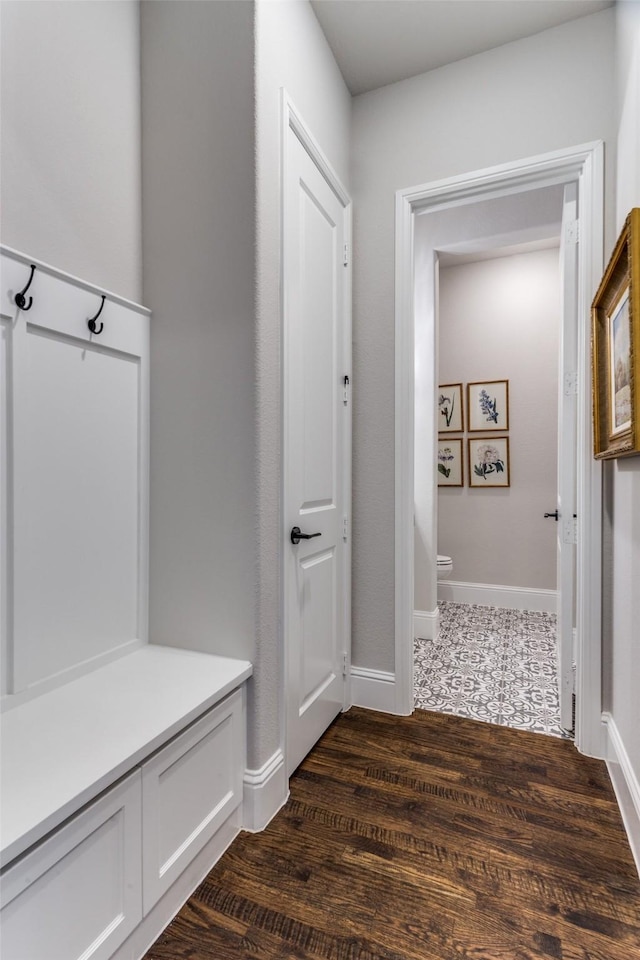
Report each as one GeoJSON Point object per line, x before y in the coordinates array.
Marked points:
{"type": "Point", "coordinates": [489, 407]}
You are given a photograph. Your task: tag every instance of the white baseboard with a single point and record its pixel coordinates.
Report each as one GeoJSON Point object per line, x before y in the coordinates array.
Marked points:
{"type": "Point", "coordinates": [426, 624]}
{"type": "Point", "coordinates": [626, 786]}
{"type": "Point", "coordinates": [495, 595]}
{"type": "Point", "coordinates": [265, 791]}
{"type": "Point", "coordinates": [373, 689]}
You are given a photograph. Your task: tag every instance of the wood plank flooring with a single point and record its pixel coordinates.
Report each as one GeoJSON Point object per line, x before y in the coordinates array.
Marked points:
{"type": "Point", "coordinates": [428, 837]}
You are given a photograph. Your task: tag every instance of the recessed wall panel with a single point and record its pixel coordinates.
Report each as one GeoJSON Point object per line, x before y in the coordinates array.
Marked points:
{"type": "Point", "coordinates": [78, 549]}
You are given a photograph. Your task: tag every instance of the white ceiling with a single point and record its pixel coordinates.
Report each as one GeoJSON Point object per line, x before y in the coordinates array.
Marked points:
{"type": "Point", "coordinates": [497, 253]}
{"type": "Point", "coordinates": [495, 227]}
{"type": "Point", "coordinates": [377, 42]}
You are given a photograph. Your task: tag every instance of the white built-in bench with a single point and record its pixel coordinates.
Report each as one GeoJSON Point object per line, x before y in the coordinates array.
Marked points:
{"type": "Point", "coordinates": [111, 785]}
{"type": "Point", "coordinates": [122, 763]}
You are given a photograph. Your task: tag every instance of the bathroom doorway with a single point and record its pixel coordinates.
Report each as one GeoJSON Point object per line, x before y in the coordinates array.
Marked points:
{"type": "Point", "coordinates": [493, 654]}
{"type": "Point", "coordinates": [415, 350]}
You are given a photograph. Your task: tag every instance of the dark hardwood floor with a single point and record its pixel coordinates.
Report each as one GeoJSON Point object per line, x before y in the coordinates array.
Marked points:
{"type": "Point", "coordinates": [427, 837]}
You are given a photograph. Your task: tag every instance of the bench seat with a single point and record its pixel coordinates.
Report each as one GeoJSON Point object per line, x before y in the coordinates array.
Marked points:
{"type": "Point", "coordinates": [62, 749]}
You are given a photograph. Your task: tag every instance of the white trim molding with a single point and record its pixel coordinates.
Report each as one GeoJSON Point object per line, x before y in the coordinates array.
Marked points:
{"type": "Point", "coordinates": [426, 624]}
{"type": "Point", "coordinates": [265, 791]}
{"type": "Point", "coordinates": [373, 689]}
{"type": "Point", "coordinates": [583, 165]}
{"type": "Point", "coordinates": [73, 280]}
{"type": "Point", "coordinates": [496, 595]}
{"type": "Point", "coordinates": [404, 439]}
{"type": "Point", "coordinates": [625, 784]}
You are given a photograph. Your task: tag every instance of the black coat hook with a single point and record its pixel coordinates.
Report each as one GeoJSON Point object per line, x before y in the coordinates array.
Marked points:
{"type": "Point", "coordinates": [92, 322]}
{"type": "Point", "coordinates": [20, 299]}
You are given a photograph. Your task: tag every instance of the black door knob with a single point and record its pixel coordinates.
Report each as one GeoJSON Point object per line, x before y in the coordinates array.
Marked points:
{"type": "Point", "coordinates": [297, 535]}
{"type": "Point", "coordinates": [555, 515]}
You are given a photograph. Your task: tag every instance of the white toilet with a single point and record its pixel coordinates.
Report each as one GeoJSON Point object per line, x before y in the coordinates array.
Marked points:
{"type": "Point", "coordinates": [445, 567]}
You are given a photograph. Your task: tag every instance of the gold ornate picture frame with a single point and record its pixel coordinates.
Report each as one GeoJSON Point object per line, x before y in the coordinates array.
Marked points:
{"type": "Point", "coordinates": [615, 349]}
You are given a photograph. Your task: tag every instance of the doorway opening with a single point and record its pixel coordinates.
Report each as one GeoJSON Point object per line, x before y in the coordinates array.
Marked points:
{"type": "Point", "coordinates": [416, 350]}
{"type": "Point", "coordinates": [489, 649]}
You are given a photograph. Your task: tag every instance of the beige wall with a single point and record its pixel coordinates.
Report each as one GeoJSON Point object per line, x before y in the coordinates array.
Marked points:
{"type": "Point", "coordinates": [500, 320]}
{"type": "Point", "coordinates": [70, 138]}
{"type": "Point", "coordinates": [550, 91]}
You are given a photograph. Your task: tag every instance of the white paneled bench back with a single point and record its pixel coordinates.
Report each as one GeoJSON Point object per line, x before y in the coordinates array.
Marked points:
{"type": "Point", "coordinates": [75, 475]}
{"type": "Point", "coordinates": [122, 761]}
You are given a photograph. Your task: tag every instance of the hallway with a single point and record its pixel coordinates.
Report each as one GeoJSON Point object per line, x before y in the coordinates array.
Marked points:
{"type": "Point", "coordinates": [427, 837]}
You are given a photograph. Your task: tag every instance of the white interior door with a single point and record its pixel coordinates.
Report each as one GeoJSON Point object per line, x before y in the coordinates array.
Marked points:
{"type": "Point", "coordinates": [567, 454]}
{"type": "Point", "coordinates": [316, 499]}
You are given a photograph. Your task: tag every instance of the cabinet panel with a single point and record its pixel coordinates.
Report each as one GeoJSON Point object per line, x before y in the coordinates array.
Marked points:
{"type": "Point", "coordinates": [188, 790]}
{"type": "Point", "coordinates": [78, 895]}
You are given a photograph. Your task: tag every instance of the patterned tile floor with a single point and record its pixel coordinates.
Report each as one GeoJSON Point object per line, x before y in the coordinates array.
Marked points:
{"type": "Point", "coordinates": [491, 664]}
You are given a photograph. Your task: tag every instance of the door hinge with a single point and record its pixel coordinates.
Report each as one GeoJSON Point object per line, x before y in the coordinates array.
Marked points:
{"type": "Point", "coordinates": [345, 257]}
{"type": "Point", "coordinates": [571, 384]}
{"type": "Point", "coordinates": [572, 231]}
{"type": "Point", "coordinates": [345, 529]}
{"type": "Point", "coordinates": [344, 664]}
{"type": "Point", "coordinates": [345, 388]}
{"type": "Point", "coordinates": [570, 530]}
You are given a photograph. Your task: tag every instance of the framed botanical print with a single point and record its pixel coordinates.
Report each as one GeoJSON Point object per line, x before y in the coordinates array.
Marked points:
{"type": "Point", "coordinates": [489, 464]}
{"type": "Point", "coordinates": [615, 318]}
{"type": "Point", "coordinates": [450, 463]}
{"type": "Point", "coordinates": [450, 408]}
{"type": "Point", "coordinates": [488, 405]}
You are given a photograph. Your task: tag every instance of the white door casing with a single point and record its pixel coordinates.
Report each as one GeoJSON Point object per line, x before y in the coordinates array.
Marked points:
{"type": "Point", "coordinates": [583, 165]}
{"type": "Point", "coordinates": [317, 431]}
{"type": "Point", "coordinates": [567, 451]}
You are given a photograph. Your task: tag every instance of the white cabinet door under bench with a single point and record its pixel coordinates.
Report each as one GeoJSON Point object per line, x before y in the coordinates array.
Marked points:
{"type": "Point", "coordinates": [78, 895]}
{"type": "Point", "coordinates": [111, 787]}
{"type": "Point", "coordinates": [188, 790]}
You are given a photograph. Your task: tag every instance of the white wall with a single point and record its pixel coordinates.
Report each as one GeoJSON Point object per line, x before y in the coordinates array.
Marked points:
{"type": "Point", "coordinates": [198, 233]}
{"type": "Point", "coordinates": [291, 52]}
{"type": "Point", "coordinates": [622, 631]}
{"type": "Point", "coordinates": [211, 140]}
{"type": "Point", "coordinates": [628, 102]}
{"type": "Point", "coordinates": [549, 91]}
{"type": "Point", "coordinates": [70, 89]}
{"type": "Point", "coordinates": [500, 319]}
